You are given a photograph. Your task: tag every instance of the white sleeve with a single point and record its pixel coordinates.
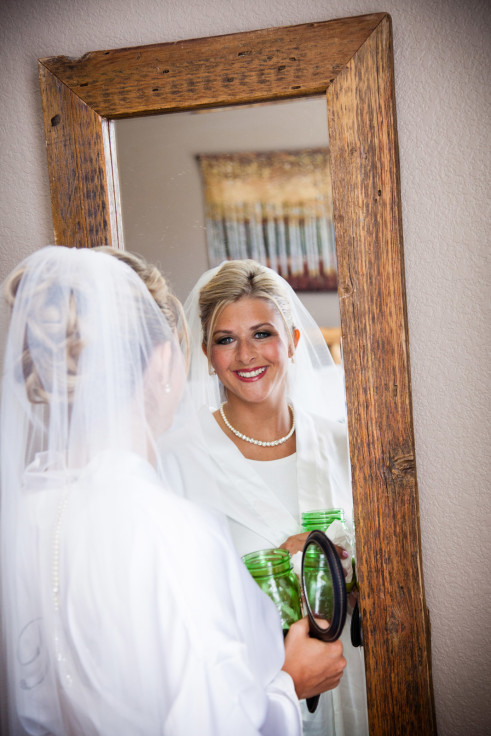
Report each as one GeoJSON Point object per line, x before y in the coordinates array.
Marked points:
{"type": "Point", "coordinates": [234, 650]}
{"type": "Point", "coordinates": [224, 699]}
{"type": "Point", "coordinates": [282, 700]}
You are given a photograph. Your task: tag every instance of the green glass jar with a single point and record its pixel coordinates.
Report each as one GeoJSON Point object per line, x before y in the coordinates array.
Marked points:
{"type": "Point", "coordinates": [272, 570]}
{"type": "Point", "coordinates": [322, 519]}
{"type": "Point", "coordinates": [318, 582]}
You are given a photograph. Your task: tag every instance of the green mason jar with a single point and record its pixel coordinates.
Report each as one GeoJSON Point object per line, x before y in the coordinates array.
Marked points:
{"type": "Point", "coordinates": [322, 519]}
{"type": "Point", "coordinates": [318, 582]}
{"type": "Point", "coordinates": [272, 570]}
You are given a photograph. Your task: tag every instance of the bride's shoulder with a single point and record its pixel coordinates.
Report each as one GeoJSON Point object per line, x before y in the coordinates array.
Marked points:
{"type": "Point", "coordinates": [133, 487]}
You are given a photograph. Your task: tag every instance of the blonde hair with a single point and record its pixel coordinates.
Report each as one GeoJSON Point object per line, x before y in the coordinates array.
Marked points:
{"type": "Point", "coordinates": [155, 282]}
{"type": "Point", "coordinates": [56, 331]}
{"type": "Point", "coordinates": [157, 285]}
{"type": "Point", "coordinates": [237, 279]}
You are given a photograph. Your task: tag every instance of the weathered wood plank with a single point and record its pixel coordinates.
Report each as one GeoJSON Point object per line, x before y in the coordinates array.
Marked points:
{"type": "Point", "coordinates": [219, 70]}
{"type": "Point", "coordinates": [80, 199]}
{"type": "Point", "coordinates": [367, 213]}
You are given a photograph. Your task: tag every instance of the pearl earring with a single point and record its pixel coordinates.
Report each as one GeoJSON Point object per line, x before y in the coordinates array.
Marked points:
{"type": "Point", "coordinates": [167, 388]}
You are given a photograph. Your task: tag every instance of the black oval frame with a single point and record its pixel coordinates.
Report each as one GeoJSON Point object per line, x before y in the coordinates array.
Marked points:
{"type": "Point", "coordinates": [340, 601]}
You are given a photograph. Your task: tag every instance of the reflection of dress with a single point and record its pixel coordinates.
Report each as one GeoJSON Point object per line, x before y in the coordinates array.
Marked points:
{"type": "Point", "coordinates": [156, 628]}
{"type": "Point", "coordinates": [250, 504]}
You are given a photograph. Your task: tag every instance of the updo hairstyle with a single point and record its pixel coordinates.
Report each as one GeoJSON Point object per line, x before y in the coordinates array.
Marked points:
{"type": "Point", "coordinates": [157, 285]}
{"type": "Point", "coordinates": [155, 282]}
{"type": "Point", "coordinates": [237, 279]}
{"type": "Point", "coordinates": [54, 330]}
{"type": "Point", "coordinates": [52, 341]}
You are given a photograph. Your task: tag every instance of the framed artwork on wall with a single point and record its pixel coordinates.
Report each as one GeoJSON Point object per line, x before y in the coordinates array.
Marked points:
{"type": "Point", "coordinates": [274, 207]}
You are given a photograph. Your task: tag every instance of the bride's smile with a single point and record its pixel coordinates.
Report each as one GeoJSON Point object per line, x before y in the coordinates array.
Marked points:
{"type": "Point", "coordinates": [252, 375]}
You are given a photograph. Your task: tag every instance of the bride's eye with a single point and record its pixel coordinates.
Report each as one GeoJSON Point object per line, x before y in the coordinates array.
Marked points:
{"type": "Point", "coordinates": [262, 334]}
{"type": "Point", "coordinates": [224, 340]}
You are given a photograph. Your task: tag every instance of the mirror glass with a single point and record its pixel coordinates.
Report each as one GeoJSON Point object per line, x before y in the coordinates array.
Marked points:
{"type": "Point", "coordinates": [324, 587]}
{"type": "Point", "coordinates": [161, 187]}
{"type": "Point", "coordinates": [164, 218]}
{"type": "Point", "coordinates": [317, 583]}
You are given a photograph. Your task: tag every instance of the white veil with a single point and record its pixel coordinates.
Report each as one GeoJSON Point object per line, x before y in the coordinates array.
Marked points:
{"type": "Point", "coordinates": [80, 380]}
{"type": "Point", "coordinates": [315, 382]}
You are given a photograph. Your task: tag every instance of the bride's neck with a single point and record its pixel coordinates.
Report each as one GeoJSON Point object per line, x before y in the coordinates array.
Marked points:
{"type": "Point", "coordinates": [266, 422]}
{"type": "Point", "coordinates": [271, 415]}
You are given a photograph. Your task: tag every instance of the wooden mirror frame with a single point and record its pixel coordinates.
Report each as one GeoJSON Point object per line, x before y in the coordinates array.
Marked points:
{"type": "Point", "coordinates": [351, 60]}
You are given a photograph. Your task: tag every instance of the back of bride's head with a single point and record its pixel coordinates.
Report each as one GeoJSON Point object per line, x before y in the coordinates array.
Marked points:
{"type": "Point", "coordinates": [46, 319]}
{"type": "Point", "coordinates": [82, 335]}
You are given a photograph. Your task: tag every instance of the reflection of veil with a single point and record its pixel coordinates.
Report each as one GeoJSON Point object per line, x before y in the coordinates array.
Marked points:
{"type": "Point", "coordinates": [315, 382]}
{"type": "Point", "coordinates": [81, 390]}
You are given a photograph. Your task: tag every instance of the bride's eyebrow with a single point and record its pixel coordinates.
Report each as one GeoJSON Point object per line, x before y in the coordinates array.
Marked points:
{"type": "Point", "coordinates": [253, 328]}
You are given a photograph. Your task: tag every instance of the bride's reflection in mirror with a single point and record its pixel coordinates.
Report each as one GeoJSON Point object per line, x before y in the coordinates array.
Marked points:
{"type": "Point", "coordinates": [278, 446]}
{"type": "Point", "coordinates": [271, 398]}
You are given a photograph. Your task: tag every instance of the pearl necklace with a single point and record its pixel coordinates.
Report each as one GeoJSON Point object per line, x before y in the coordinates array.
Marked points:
{"type": "Point", "coordinates": [259, 442]}
{"type": "Point", "coordinates": [55, 561]}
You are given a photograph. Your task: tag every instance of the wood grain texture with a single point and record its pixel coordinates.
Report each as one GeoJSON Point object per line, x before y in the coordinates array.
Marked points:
{"type": "Point", "coordinates": [350, 59]}
{"type": "Point", "coordinates": [367, 214]}
{"type": "Point", "coordinates": [80, 197]}
{"type": "Point", "coordinates": [219, 70]}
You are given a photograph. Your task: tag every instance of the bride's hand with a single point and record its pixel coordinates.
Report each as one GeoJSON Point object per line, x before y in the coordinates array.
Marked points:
{"type": "Point", "coordinates": [296, 543]}
{"type": "Point", "coordinates": [315, 666]}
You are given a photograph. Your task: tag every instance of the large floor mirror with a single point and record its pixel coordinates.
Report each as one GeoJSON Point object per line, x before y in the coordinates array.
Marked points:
{"type": "Point", "coordinates": [347, 65]}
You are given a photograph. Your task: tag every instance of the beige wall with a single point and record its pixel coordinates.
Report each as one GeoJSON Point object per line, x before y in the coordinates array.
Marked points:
{"type": "Point", "coordinates": [442, 62]}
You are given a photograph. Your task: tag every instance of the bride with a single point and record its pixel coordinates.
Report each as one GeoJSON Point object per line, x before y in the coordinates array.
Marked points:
{"type": "Point", "coordinates": [125, 609]}
{"type": "Point", "coordinates": [271, 406]}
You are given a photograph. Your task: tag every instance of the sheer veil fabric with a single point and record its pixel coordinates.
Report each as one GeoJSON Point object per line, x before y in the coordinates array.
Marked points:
{"type": "Point", "coordinates": [71, 392]}
{"type": "Point", "coordinates": [101, 635]}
